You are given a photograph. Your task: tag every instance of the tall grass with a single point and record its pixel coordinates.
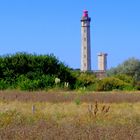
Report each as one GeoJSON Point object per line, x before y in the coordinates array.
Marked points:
{"type": "Point", "coordinates": [109, 113]}
{"type": "Point", "coordinates": [69, 116]}
{"type": "Point", "coordinates": [69, 121]}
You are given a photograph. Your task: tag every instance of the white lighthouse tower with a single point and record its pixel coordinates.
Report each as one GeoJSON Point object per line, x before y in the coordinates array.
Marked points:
{"type": "Point", "coordinates": [85, 45]}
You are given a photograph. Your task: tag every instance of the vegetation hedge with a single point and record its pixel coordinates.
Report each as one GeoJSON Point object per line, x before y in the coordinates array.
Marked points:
{"type": "Point", "coordinates": [112, 83]}
{"type": "Point", "coordinates": [32, 72]}
{"type": "Point", "coordinates": [40, 72]}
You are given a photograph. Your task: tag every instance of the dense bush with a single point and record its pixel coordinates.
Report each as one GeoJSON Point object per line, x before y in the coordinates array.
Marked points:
{"type": "Point", "coordinates": [112, 83]}
{"type": "Point", "coordinates": [88, 81]}
{"type": "Point", "coordinates": [38, 72]}
{"type": "Point", "coordinates": [32, 72]}
{"type": "Point", "coordinates": [125, 78]}
{"type": "Point", "coordinates": [84, 79]}
{"type": "Point", "coordinates": [130, 67]}
{"type": "Point", "coordinates": [43, 82]}
{"type": "Point", "coordinates": [3, 85]}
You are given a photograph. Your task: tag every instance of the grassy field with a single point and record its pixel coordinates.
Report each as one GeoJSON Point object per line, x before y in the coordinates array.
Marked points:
{"type": "Point", "coordinates": [69, 116]}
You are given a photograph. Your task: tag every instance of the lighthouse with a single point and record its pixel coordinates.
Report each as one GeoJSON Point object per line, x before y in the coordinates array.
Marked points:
{"type": "Point", "coordinates": [85, 42]}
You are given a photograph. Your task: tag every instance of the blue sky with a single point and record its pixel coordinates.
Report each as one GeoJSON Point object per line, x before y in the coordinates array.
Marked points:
{"type": "Point", "coordinates": [53, 26]}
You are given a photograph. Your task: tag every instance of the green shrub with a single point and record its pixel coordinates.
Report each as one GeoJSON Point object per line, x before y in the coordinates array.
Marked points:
{"type": "Point", "coordinates": [111, 83]}
{"type": "Point", "coordinates": [93, 87]}
{"type": "Point", "coordinates": [129, 67]}
{"type": "Point", "coordinates": [85, 80]}
{"type": "Point", "coordinates": [125, 78]}
{"type": "Point", "coordinates": [137, 85]}
{"type": "Point", "coordinates": [129, 88]}
{"type": "Point", "coordinates": [33, 72]}
{"type": "Point", "coordinates": [3, 85]}
{"type": "Point", "coordinates": [77, 101]}
{"type": "Point", "coordinates": [44, 82]}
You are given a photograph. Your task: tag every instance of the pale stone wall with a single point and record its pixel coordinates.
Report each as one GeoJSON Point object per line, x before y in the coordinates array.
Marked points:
{"type": "Point", "coordinates": [102, 61]}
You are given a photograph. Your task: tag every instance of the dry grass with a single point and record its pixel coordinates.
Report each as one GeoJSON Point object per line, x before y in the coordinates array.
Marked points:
{"type": "Point", "coordinates": [69, 121]}
{"type": "Point", "coordinates": [52, 131]}
{"type": "Point", "coordinates": [53, 116]}
{"type": "Point", "coordinates": [56, 97]}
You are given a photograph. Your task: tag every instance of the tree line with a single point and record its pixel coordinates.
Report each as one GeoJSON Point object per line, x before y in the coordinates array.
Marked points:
{"type": "Point", "coordinates": [42, 72]}
{"type": "Point", "coordinates": [32, 72]}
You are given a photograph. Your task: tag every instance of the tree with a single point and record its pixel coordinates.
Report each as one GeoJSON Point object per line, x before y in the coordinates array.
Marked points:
{"type": "Point", "coordinates": [129, 67]}
{"type": "Point", "coordinates": [34, 68]}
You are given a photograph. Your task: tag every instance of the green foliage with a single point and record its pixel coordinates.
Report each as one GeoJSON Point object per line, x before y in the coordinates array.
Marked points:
{"type": "Point", "coordinates": [111, 83]}
{"type": "Point", "coordinates": [129, 72]}
{"type": "Point", "coordinates": [3, 85]}
{"type": "Point", "coordinates": [84, 80]}
{"type": "Point", "coordinates": [29, 85]}
{"type": "Point", "coordinates": [125, 78]}
{"type": "Point", "coordinates": [44, 82]}
{"type": "Point", "coordinates": [94, 86]}
{"type": "Point", "coordinates": [129, 67]}
{"type": "Point", "coordinates": [77, 101]}
{"type": "Point", "coordinates": [32, 72]}
{"type": "Point", "coordinates": [40, 72]}
{"type": "Point", "coordinates": [88, 81]}
{"type": "Point", "coordinates": [137, 85]}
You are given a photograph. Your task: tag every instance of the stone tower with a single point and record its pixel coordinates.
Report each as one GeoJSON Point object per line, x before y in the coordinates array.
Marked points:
{"type": "Point", "coordinates": [102, 61]}
{"type": "Point", "coordinates": [85, 46]}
